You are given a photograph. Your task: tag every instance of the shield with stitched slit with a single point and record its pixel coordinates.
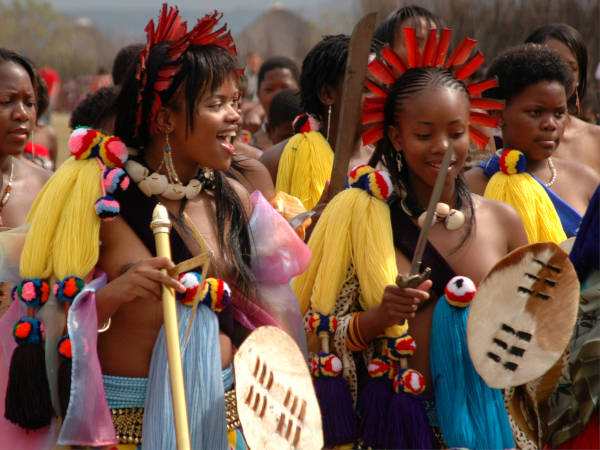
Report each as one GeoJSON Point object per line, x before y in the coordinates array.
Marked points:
{"type": "Point", "coordinates": [276, 401]}
{"type": "Point", "coordinates": [523, 315]}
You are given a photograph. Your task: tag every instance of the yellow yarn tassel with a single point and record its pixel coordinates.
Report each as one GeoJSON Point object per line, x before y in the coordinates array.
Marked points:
{"type": "Point", "coordinates": [355, 228]}
{"type": "Point", "coordinates": [531, 201]}
{"type": "Point", "coordinates": [64, 236]}
{"type": "Point", "coordinates": [304, 167]}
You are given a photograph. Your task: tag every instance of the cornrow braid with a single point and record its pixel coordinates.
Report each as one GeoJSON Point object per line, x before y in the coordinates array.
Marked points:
{"type": "Point", "coordinates": [386, 32]}
{"type": "Point", "coordinates": [408, 84]}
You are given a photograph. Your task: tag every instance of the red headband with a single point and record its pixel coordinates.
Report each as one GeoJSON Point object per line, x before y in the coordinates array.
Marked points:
{"type": "Point", "coordinates": [171, 29]}
{"type": "Point", "coordinates": [389, 66]}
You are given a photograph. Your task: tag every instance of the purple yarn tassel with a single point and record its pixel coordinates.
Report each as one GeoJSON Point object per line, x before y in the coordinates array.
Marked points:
{"type": "Point", "coordinates": [373, 407]}
{"type": "Point", "coordinates": [409, 409]}
{"type": "Point", "coordinates": [337, 411]}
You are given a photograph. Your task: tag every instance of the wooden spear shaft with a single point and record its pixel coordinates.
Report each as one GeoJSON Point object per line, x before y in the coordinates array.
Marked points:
{"type": "Point", "coordinates": [161, 226]}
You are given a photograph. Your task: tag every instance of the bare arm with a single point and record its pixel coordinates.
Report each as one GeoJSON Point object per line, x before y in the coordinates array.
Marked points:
{"type": "Point", "coordinates": [476, 180]}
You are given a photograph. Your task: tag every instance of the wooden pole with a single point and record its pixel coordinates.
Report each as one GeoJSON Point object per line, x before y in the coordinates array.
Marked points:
{"type": "Point", "coordinates": [161, 226]}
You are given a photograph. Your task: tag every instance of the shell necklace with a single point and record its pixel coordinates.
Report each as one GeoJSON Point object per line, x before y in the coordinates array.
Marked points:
{"type": "Point", "coordinates": [157, 184]}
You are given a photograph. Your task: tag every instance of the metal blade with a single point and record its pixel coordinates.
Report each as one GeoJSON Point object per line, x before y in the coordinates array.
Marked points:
{"type": "Point", "coordinates": [298, 220]}
{"type": "Point", "coordinates": [433, 201]}
{"type": "Point", "coordinates": [354, 79]}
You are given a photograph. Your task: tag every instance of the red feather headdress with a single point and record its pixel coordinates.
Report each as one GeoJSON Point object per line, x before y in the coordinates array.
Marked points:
{"type": "Point", "coordinates": [389, 66]}
{"type": "Point", "coordinates": [171, 29]}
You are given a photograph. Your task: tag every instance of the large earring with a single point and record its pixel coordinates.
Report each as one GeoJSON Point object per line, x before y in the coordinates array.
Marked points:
{"type": "Point", "coordinates": [168, 160]}
{"type": "Point", "coordinates": [328, 121]}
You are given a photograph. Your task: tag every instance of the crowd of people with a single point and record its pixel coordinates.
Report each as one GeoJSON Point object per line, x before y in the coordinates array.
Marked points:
{"type": "Point", "coordinates": [242, 163]}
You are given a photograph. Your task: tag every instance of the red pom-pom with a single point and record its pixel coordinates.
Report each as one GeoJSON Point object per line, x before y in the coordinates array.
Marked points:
{"type": "Point", "coordinates": [460, 291]}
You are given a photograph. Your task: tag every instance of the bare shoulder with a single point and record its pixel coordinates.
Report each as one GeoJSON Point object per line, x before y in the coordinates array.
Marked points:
{"type": "Point", "coordinates": [493, 214]}
{"type": "Point", "coordinates": [270, 158]}
{"type": "Point", "coordinates": [253, 175]}
{"type": "Point", "coordinates": [35, 174]}
{"type": "Point", "coordinates": [584, 177]}
{"type": "Point", "coordinates": [243, 195]}
{"type": "Point", "coordinates": [248, 150]}
{"type": "Point", "coordinates": [476, 180]}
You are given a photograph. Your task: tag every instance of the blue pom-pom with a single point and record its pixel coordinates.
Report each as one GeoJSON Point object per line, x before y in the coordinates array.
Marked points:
{"type": "Point", "coordinates": [29, 331]}
{"type": "Point", "coordinates": [115, 180]}
{"type": "Point", "coordinates": [107, 207]}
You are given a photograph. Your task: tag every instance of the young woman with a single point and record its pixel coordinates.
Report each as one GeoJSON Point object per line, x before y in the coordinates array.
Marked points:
{"type": "Point", "coordinates": [581, 139]}
{"type": "Point", "coordinates": [534, 82]}
{"type": "Point", "coordinates": [178, 113]}
{"type": "Point", "coordinates": [20, 181]}
{"type": "Point", "coordinates": [360, 244]}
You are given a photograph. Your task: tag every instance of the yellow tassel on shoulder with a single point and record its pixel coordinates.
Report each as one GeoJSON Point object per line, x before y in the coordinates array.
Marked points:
{"type": "Point", "coordinates": [304, 167]}
{"type": "Point", "coordinates": [520, 190]}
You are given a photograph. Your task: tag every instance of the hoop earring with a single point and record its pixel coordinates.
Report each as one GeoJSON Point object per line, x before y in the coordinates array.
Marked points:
{"type": "Point", "coordinates": [168, 160]}
{"type": "Point", "coordinates": [328, 121]}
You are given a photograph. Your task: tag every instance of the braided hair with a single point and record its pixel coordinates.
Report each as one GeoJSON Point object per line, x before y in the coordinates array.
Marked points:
{"type": "Point", "coordinates": [204, 68]}
{"type": "Point", "coordinates": [412, 82]}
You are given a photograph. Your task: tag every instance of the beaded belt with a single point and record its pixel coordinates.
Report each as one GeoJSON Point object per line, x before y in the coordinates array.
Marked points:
{"type": "Point", "coordinates": [128, 424]}
{"type": "Point", "coordinates": [231, 413]}
{"type": "Point", "coordinates": [128, 421]}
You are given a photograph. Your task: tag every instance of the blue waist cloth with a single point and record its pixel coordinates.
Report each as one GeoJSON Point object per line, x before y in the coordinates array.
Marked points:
{"type": "Point", "coordinates": [128, 392]}
{"type": "Point", "coordinates": [569, 218]}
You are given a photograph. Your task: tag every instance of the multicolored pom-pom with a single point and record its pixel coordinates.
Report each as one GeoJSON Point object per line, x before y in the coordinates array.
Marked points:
{"type": "Point", "coordinates": [512, 161]}
{"type": "Point", "coordinates": [402, 347]}
{"type": "Point", "coordinates": [381, 366]}
{"type": "Point", "coordinates": [115, 180]}
{"type": "Point", "coordinates": [191, 281]}
{"type": "Point", "coordinates": [33, 291]}
{"type": "Point", "coordinates": [460, 291]}
{"type": "Point", "coordinates": [410, 381]}
{"type": "Point", "coordinates": [67, 289]}
{"type": "Point", "coordinates": [326, 365]}
{"type": "Point", "coordinates": [63, 348]}
{"type": "Point", "coordinates": [318, 323]}
{"type": "Point", "coordinates": [216, 294]}
{"type": "Point", "coordinates": [29, 331]}
{"type": "Point", "coordinates": [305, 123]}
{"type": "Point", "coordinates": [85, 143]}
{"type": "Point", "coordinates": [376, 182]}
{"type": "Point", "coordinates": [107, 207]}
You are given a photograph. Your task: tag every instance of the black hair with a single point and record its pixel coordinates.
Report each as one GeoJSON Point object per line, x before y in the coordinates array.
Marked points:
{"type": "Point", "coordinates": [574, 42]}
{"type": "Point", "coordinates": [125, 60]}
{"type": "Point", "coordinates": [41, 94]}
{"type": "Point", "coordinates": [412, 82]}
{"type": "Point", "coordinates": [277, 62]}
{"type": "Point", "coordinates": [324, 65]}
{"type": "Point", "coordinates": [523, 65]}
{"type": "Point", "coordinates": [285, 106]}
{"type": "Point", "coordinates": [7, 55]}
{"type": "Point", "coordinates": [387, 31]}
{"type": "Point", "coordinates": [91, 110]}
{"type": "Point", "coordinates": [202, 69]}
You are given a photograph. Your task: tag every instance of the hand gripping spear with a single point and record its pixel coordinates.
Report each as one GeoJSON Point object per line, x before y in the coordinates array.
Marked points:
{"type": "Point", "coordinates": [161, 227]}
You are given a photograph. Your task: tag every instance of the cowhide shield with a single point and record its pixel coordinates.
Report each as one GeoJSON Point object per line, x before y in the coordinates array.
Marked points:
{"type": "Point", "coordinates": [523, 315]}
{"type": "Point", "coordinates": [276, 401]}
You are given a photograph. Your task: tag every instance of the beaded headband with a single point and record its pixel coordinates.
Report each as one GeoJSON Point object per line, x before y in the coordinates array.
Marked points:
{"type": "Point", "coordinates": [171, 29]}
{"type": "Point", "coordinates": [389, 66]}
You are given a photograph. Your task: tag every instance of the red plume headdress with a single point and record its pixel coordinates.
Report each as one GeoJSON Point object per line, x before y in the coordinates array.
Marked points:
{"type": "Point", "coordinates": [171, 29]}
{"type": "Point", "coordinates": [389, 66]}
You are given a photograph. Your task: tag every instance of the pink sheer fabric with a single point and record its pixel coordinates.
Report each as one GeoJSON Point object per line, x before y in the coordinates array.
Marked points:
{"type": "Point", "coordinates": [278, 256]}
